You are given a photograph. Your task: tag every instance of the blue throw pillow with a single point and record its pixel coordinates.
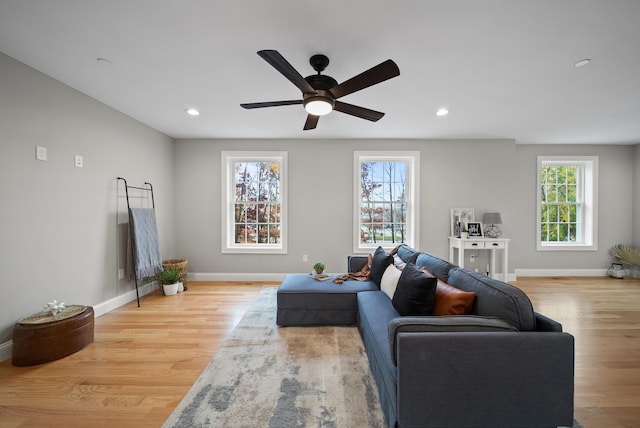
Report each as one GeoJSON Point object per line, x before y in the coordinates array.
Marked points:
{"type": "Point", "coordinates": [379, 263]}
{"type": "Point", "coordinates": [415, 293]}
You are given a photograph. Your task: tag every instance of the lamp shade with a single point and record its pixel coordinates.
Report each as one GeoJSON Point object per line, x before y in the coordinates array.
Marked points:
{"type": "Point", "coordinates": [492, 218]}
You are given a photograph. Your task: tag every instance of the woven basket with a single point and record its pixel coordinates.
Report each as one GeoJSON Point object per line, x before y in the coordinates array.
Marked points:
{"type": "Point", "coordinates": [181, 265]}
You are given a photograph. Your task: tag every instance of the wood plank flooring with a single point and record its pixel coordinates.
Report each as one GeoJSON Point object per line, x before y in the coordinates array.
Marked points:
{"type": "Point", "coordinates": [145, 359]}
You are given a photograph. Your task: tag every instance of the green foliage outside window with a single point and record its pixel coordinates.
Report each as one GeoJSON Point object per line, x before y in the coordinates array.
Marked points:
{"type": "Point", "coordinates": [560, 207]}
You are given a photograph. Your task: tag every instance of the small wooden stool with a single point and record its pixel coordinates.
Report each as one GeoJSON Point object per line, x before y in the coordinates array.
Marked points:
{"type": "Point", "coordinates": [43, 337]}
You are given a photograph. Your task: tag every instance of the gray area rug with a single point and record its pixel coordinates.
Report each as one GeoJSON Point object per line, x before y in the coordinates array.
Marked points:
{"type": "Point", "coordinates": [266, 376]}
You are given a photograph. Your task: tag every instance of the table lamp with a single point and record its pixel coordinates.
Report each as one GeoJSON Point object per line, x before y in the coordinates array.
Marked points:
{"type": "Point", "coordinates": [492, 220]}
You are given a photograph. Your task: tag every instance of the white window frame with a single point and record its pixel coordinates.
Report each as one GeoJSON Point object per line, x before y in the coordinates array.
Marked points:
{"type": "Point", "coordinates": [587, 239]}
{"type": "Point", "coordinates": [412, 159]}
{"type": "Point", "coordinates": [228, 159]}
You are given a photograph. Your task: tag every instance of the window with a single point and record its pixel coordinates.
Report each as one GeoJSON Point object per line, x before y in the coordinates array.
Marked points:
{"type": "Point", "coordinates": [567, 203]}
{"type": "Point", "coordinates": [385, 194]}
{"type": "Point", "coordinates": [254, 202]}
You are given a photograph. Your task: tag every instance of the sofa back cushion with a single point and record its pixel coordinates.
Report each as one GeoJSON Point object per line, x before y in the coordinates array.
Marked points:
{"type": "Point", "coordinates": [438, 267]}
{"type": "Point", "coordinates": [495, 298]}
{"type": "Point", "coordinates": [405, 252]}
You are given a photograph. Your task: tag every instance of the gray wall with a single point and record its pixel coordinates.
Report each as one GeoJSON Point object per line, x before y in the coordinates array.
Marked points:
{"type": "Point", "coordinates": [453, 174]}
{"type": "Point", "coordinates": [486, 175]}
{"type": "Point", "coordinates": [59, 235]}
{"type": "Point", "coordinates": [636, 197]}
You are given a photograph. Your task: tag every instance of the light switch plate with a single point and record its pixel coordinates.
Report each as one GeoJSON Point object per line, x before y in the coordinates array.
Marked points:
{"type": "Point", "coordinates": [41, 153]}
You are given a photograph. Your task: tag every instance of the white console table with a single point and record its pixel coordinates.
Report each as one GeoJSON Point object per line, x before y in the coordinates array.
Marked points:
{"type": "Point", "coordinates": [491, 244]}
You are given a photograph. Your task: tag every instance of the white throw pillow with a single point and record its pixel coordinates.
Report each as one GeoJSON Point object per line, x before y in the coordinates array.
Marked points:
{"type": "Point", "coordinates": [389, 280]}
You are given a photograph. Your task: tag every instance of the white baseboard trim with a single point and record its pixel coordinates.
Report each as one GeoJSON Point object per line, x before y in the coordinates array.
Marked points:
{"type": "Point", "coordinates": [121, 300]}
{"type": "Point", "coordinates": [561, 272]}
{"type": "Point", "coordinates": [238, 277]}
{"type": "Point", "coordinates": [6, 348]}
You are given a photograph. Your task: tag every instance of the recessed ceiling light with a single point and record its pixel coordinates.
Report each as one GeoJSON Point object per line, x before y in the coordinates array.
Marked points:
{"type": "Point", "coordinates": [582, 62]}
{"type": "Point", "coordinates": [192, 112]}
{"type": "Point", "coordinates": [442, 112]}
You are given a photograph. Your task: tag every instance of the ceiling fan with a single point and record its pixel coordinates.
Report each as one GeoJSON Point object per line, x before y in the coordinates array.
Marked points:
{"type": "Point", "coordinates": [321, 92]}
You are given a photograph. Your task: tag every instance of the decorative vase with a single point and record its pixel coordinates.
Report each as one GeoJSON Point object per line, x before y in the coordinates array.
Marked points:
{"type": "Point", "coordinates": [464, 235]}
{"type": "Point", "coordinates": [319, 271]}
{"type": "Point", "coordinates": [170, 289]}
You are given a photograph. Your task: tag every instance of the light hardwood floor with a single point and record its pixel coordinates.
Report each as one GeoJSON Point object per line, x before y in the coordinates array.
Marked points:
{"type": "Point", "coordinates": [145, 359]}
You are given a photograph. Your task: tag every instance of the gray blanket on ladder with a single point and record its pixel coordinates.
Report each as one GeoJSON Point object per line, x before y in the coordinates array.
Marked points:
{"type": "Point", "coordinates": [146, 249]}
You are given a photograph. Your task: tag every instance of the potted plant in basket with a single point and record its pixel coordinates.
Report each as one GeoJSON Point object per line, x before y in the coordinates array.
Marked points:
{"type": "Point", "coordinates": [318, 267]}
{"type": "Point", "coordinates": [169, 278]}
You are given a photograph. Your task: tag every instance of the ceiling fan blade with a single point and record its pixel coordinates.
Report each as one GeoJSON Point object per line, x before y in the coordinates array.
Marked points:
{"type": "Point", "coordinates": [381, 72]}
{"type": "Point", "coordinates": [271, 104]}
{"type": "Point", "coordinates": [361, 112]}
{"type": "Point", "coordinates": [278, 62]}
{"type": "Point", "coordinates": [311, 123]}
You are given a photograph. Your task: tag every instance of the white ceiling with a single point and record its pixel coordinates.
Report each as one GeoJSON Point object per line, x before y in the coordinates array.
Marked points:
{"type": "Point", "coordinates": [504, 68]}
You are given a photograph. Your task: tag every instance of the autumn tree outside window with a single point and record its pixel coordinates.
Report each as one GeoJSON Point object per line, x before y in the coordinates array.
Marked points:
{"type": "Point", "coordinates": [386, 207]}
{"type": "Point", "coordinates": [254, 200]}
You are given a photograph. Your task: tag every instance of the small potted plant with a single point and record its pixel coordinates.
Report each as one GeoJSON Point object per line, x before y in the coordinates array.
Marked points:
{"type": "Point", "coordinates": [169, 278]}
{"type": "Point", "coordinates": [318, 267]}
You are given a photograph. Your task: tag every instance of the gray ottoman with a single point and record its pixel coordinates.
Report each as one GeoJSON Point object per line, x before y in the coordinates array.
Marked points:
{"type": "Point", "coordinates": [304, 301]}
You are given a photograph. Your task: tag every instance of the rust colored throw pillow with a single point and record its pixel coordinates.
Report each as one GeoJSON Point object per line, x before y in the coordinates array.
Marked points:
{"type": "Point", "coordinates": [452, 301]}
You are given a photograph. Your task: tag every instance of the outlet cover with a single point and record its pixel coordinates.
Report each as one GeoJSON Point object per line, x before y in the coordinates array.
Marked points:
{"type": "Point", "coordinates": [79, 161]}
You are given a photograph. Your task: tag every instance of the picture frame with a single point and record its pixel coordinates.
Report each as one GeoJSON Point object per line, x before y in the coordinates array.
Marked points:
{"type": "Point", "coordinates": [474, 229]}
{"type": "Point", "coordinates": [460, 217]}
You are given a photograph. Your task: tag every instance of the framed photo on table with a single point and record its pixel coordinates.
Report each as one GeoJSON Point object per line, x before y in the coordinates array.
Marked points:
{"type": "Point", "coordinates": [460, 217]}
{"type": "Point", "coordinates": [474, 229]}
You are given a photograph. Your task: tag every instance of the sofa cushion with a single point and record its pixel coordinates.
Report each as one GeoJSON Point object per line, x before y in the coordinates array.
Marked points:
{"type": "Point", "coordinates": [389, 281]}
{"type": "Point", "coordinates": [415, 293]}
{"type": "Point", "coordinates": [452, 301]}
{"type": "Point", "coordinates": [375, 312]}
{"type": "Point", "coordinates": [496, 298]}
{"type": "Point", "coordinates": [405, 252]}
{"type": "Point", "coordinates": [444, 324]}
{"type": "Point", "coordinates": [438, 267]}
{"type": "Point", "coordinates": [381, 259]}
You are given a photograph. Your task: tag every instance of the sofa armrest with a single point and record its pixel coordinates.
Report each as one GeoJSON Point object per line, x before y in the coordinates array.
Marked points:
{"type": "Point", "coordinates": [356, 263]}
{"type": "Point", "coordinates": [544, 323]}
{"type": "Point", "coordinates": [498, 379]}
{"type": "Point", "coordinates": [443, 324]}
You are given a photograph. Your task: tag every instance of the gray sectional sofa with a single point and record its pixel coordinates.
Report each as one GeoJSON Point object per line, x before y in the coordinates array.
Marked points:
{"type": "Point", "coordinates": [502, 365]}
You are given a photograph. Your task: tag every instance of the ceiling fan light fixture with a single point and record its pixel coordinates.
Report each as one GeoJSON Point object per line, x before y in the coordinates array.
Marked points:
{"type": "Point", "coordinates": [318, 105]}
